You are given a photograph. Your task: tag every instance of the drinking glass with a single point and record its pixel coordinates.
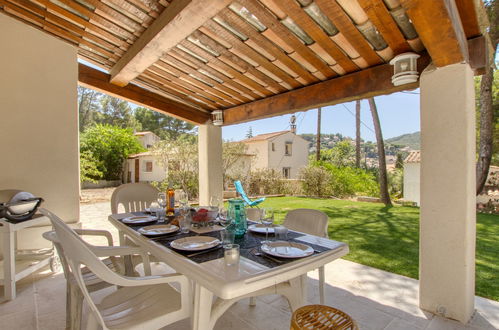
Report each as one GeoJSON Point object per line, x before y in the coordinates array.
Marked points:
{"type": "Point", "coordinates": [153, 208]}
{"type": "Point", "coordinates": [281, 233]}
{"type": "Point", "coordinates": [223, 218]}
{"type": "Point", "coordinates": [182, 198]}
{"type": "Point", "coordinates": [162, 201]}
{"type": "Point", "coordinates": [185, 223]}
{"type": "Point", "coordinates": [267, 220]}
{"type": "Point", "coordinates": [215, 201]}
{"type": "Point", "coordinates": [231, 254]}
{"type": "Point", "coordinates": [227, 237]}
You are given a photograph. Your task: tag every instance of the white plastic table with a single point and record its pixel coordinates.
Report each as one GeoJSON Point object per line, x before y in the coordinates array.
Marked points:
{"type": "Point", "coordinates": [230, 284]}
{"type": "Point", "coordinates": [14, 269]}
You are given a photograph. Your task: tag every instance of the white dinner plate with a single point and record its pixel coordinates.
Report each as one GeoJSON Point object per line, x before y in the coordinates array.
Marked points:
{"type": "Point", "coordinates": [260, 228]}
{"type": "Point", "coordinates": [138, 220]}
{"type": "Point", "coordinates": [284, 249]}
{"type": "Point", "coordinates": [195, 243]}
{"type": "Point", "coordinates": [157, 230]}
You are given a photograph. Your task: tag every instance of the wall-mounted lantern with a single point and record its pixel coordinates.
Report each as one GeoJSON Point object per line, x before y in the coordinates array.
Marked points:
{"type": "Point", "coordinates": [405, 69]}
{"type": "Point", "coordinates": [217, 117]}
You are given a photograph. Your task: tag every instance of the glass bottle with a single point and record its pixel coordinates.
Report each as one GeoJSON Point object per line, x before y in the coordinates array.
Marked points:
{"type": "Point", "coordinates": [237, 212]}
{"type": "Point", "coordinates": [170, 210]}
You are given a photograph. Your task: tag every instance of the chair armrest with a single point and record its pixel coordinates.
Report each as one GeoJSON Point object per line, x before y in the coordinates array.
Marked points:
{"type": "Point", "coordinates": [111, 251]}
{"type": "Point", "coordinates": [150, 280]}
{"type": "Point", "coordinates": [96, 232]}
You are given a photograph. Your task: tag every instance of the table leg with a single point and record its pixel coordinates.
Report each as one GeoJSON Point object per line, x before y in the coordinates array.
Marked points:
{"type": "Point", "coordinates": [201, 318]}
{"type": "Point", "coordinates": [9, 265]}
{"type": "Point", "coordinates": [127, 260]}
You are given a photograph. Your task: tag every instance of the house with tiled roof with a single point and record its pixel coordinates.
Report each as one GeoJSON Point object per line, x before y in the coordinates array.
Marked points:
{"type": "Point", "coordinates": [412, 170]}
{"type": "Point", "coordinates": [284, 151]}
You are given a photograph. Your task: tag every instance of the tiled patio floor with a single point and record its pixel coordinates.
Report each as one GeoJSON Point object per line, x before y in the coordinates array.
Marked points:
{"type": "Point", "coordinates": [374, 298]}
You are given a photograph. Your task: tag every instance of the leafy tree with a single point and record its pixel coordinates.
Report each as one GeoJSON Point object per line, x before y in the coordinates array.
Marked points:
{"type": "Point", "coordinates": [342, 154]}
{"type": "Point", "coordinates": [399, 163]}
{"type": "Point", "coordinates": [232, 153]}
{"type": "Point", "coordinates": [117, 112]}
{"type": "Point", "coordinates": [179, 158]}
{"type": "Point", "coordinates": [488, 103]}
{"type": "Point", "coordinates": [249, 134]}
{"type": "Point", "coordinates": [110, 147]}
{"type": "Point", "coordinates": [89, 167]}
{"type": "Point", "coordinates": [88, 107]}
{"type": "Point", "coordinates": [162, 125]}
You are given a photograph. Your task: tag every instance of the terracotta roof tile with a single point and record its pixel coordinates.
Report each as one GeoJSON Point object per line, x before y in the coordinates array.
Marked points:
{"type": "Point", "coordinates": [265, 136]}
{"type": "Point", "coordinates": [414, 157]}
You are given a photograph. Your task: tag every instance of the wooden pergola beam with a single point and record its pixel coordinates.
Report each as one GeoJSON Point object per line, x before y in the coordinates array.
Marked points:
{"type": "Point", "coordinates": [439, 27]}
{"type": "Point", "coordinates": [176, 22]}
{"type": "Point", "coordinates": [98, 80]}
{"type": "Point", "coordinates": [354, 86]}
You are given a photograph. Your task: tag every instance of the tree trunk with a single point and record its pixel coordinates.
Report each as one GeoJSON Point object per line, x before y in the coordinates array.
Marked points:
{"type": "Point", "coordinates": [383, 178]}
{"type": "Point", "coordinates": [486, 130]}
{"type": "Point", "coordinates": [357, 133]}
{"type": "Point", "coordinates": [318, 151]}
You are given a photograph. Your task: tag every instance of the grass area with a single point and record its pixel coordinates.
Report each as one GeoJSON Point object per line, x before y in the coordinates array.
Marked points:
{"type": "Point", "coordinates": [388, 237]}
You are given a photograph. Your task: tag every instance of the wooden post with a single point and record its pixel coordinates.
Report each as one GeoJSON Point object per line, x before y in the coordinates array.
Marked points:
{"type": "Point", "coordinates": [318, 151]}
{"type": "Point", "coordinates": [357, 133]}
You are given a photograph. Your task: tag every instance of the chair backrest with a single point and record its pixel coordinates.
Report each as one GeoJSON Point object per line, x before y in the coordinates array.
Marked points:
{"type": "Point", "coordinates": [307, 221]}
{"type": "Point", "coordinates": [133, 196]}
{"type": "Point", "coordinates": [240, 190]}
{"type": "Point", "coordinates": [78, 253]}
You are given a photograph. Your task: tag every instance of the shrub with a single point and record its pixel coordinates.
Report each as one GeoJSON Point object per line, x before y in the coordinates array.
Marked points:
{"type": "Point", "coordinates": [266, 181]}
{"type": "Point", "coordinates": [316, 181]}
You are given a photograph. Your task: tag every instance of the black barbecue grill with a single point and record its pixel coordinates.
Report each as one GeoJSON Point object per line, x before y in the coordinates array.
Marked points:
{"type": "Point", "coordinates": [17, 205]}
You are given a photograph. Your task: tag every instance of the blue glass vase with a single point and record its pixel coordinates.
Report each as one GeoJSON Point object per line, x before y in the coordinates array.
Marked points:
{"type": "Point", "coordinates": [237, 212]}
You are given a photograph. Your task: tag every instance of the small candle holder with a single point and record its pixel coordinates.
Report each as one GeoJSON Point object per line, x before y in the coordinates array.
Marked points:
{"type": "Point", "coordinates": [231, 254]}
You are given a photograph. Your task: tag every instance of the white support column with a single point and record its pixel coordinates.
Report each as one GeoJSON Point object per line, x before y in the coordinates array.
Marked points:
{"type": "Point", "coordinates": [448, 211]}
{"type": "Point", "coordinates": [210, 163]}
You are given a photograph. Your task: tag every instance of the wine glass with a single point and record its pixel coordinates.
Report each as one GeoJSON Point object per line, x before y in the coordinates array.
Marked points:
{"type": "Point", "coordinates": [162, 201]}
{"type": "Point", "coordinates": [267, 220]}
{"type": "Point", "coordinates": [223, 217]}
{"type": "Point", "coordinates": [182, 199]}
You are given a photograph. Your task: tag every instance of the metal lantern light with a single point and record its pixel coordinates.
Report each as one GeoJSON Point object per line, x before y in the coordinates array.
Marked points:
{"type": "Point", "coordinates": [405, 68]}
{"type": "Point", "coordinates": [217, 117]}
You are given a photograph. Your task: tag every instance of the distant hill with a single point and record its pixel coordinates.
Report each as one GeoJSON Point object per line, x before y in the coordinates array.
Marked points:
{"type": "Point", "coordinates": [412, 140]}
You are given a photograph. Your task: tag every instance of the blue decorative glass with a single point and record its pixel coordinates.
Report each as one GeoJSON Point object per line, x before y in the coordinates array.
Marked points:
{"type": "Point", "coordinates": [237, 213]}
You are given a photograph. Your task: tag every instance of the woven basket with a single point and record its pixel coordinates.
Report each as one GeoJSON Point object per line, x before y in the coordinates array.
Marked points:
{"type": "Point", "coordinates": [321, 317]}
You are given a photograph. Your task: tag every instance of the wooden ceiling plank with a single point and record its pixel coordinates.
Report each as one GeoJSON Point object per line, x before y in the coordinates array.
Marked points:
{"type": "Point", "coordinates": [77, 19]}
{"type": "Point", "coordinates": [385, 24]}
{"type": "Point", "coordinates": [95, 79]}
{"type": "Point", "coordinates": [250, 52]}
{"type": "Point", "coordinates": [297, 14]}
{"type": "Point", "coordinates": [257, 9]}
{"type": "Point", "coordinates": [189, 70]}
{"type": "Point", "coordinates": [439, 27]}
{"type": "Point", "coordinates": [164, 85]}
{"type": "Point", "coordinates": [199, 84]}
{"type": "Point", "coordinates": [117, 16]}
{"type": "Point", "coordinates": [234, 20]}
{"type": "Point", "coordinates": [175, 23]}
{"type": "Point", "coordinates": [168, 84]}
{"type": "Point", "coordinates": [345, 25]}
{"type": "Point", "coordinates": [357, 85]}
{"type": "Point", "coordinates": [197, 64]}
{"type": "Point", "coordinates": [206, 38]}
{"type": "Point", "coordinates": [111, 26]}
{"type": "Point", "coordinates": [214, 62]}
{"type": "Point", "coordinates": [188, 86]}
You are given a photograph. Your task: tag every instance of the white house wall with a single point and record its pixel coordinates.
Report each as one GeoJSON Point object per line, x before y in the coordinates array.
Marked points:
{"type": "Point", "coordinates": [298, 158]}
{"type": "Point", "coordinates": [412, 182]}
{"type": "Point", "coordinates": [158, 172]}
{"type": "Point", "coordinates": [39, 121]}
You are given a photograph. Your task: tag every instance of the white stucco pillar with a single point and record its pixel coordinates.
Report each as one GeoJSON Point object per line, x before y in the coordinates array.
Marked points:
{"type": "Point", "coordinates": [210, 163]}
{"type": "Point", "coordinates": [448, 211]}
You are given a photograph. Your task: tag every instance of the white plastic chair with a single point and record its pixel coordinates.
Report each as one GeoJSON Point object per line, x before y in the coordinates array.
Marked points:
{"type": "Point", "coordinates": [133, 196]}
{"type": "Point", "coordinates": [311, 222]}
{"type": "Point", "coordinates": [74, 297]}
{"type": "Point", "coordinates": [140, 303]}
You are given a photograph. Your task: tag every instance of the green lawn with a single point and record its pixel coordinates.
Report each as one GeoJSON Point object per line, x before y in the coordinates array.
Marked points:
{"type": "Point", "coordinates": [387, 238]}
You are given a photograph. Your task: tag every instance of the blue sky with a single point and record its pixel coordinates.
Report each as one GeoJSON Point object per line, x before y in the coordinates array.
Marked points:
{"type": "Point", "coordinates": [398, 112]}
